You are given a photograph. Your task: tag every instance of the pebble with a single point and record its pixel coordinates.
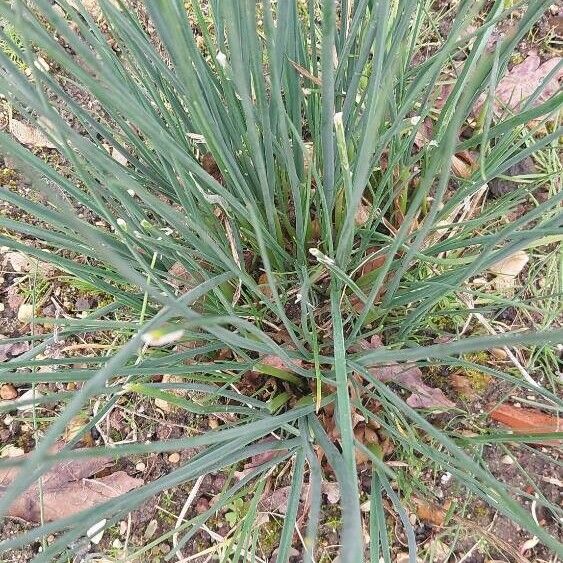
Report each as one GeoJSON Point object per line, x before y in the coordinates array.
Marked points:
{"type": "Point", "coordinates": [499, 353]}
{"type": "Point", "coordinates": [123, 527]}
{"type": "Point", "coordinates": [117, 544]}
{"type": "Point", "coordinates": [507, 459]}
{"type": "Point", "coordinates": [174, 458]}
{"type": "Point", "coordinates": [150, 530]}
{"type": "Point", "coordinates": [8, 392]}
{"type": "Point", "coordinates": [140, 466]}
{"type": "Point", "coordinates": [11, 451]}
{"type": "Point", "coordinates": [25, 313]}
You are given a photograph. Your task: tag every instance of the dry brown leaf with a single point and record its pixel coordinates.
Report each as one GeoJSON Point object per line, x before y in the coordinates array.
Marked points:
{"type": "Point", "coordinates": [332, 491]}
{"type": "Point", "coordinates": [522, 420]}
{"type": "Point", "coordinates": [67, 489]}
{"type": "Point", "coordinates": [306, 74]}
{"type": "Point", "coordinates": [462, 384]}
{"type": "Point", "coordinates": [264, 286]}
{"type": "Point", "coordinates": [261, 458]}
{"type": "Point", "coordinates": [362, 214]}
{"type": "Point", "coordinates": [522, 81]}
{"type": "Point", "coordinates": [8, 350]}
{"type": "Point", "coordinates": [163, 405]}
{"type": "Point", "coordinates": [276, 501]}
{"type": "Point", "coordinates": [430, 512]}
{"type": "Point", "coordinates": [410, 377]}
{"type": "Point", "coordinates": [28, 135]}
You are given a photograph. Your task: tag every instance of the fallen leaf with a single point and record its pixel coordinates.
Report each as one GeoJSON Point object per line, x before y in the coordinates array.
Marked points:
{"type": "Point", "coordinates": [522, 81]}
{"type": "Point", "coordinates": [96, 532]}
{"type": "Point", "coordinates": [11, 451]}
{"type": "Point", "coordinates": [430, 512]}
{"type": "Point", "coordinates": [276, 501]}
{"type": "Point", "coordinates": [410, 377]}
{"type": "Point", "coordinates": [164, 405]}
{"type": "Point", "coordinates": [507, 270]}
{"type": "Point", "coordinates": [21, 263]}
{"type": "Point", "coordinates": [332, 491]}
{"type": "Point", "coordinates": [118, 156]}
{"type": "Point", "coordinates": [28, 135]}
{"type": "Point", "coordinates": [529, 544]}
{"type": "Point", "coordinates": [523, 421]}
{"type": "Point", "coordinates": [66, 489]}
{"type": "Point", "coordinates": [27, 397]}
{"type": "Point", "coordinates": [362, 214]}
{"type": "Point", "coordinates": [511, 265]}
{"type": "Point", "coordinates": [261, 458]}
{"type": "Point", "coordinates": [462, 384]}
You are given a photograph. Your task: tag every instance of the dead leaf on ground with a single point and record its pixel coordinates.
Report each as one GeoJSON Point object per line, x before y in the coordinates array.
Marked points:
{"type": "Point", "coordinates": [462, 384]}
{"type": "Point", "coordinates": [409, 376]}
{"type": "Point", "coordinates": [332, 491]}
{"type": "Point", "coordinates": [507, 269]}
{"type": "Point", "coordinates": [261, 458]}
{"type": "Point", "coordinates": [67, 489]}
{"type": "Point", "coordinates": [21, 263]}
{"type": "Point", "coordinates": [276, 501]}
{"type": "Point", "coordinates": [162, 404]}
{"type": "Point", "coordinates": [522, 81]}
{"type": "Point", "coordinates": [28, 135]}
{"type": "Point", "coordinates": [430, 512]}
{"type": "Point", "coordinates": [11, 350]}
{"type": "Point", "coordinates": [523, 420]}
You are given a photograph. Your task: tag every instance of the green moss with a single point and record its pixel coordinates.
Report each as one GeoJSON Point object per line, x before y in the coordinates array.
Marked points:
{"type": "Point", "coordinates": [270, 535]}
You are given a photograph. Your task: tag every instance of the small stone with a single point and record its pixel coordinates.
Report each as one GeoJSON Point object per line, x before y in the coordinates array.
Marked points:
{"type": "Point", "coordinates": [122, 527]}
{"type": "Point", "coordinates": [174, 457]}
{"type": "Point", "coordinates": [117, 543]}
{"type": "Point", "coordinates": [8, 392]}
{"type": "Point", "coordinates": [82, 304]}
{"type": "Point", "coordinates": [11, 451]}
{"type": "Point", "coordinates": [507, 459]}
{"type": "Point", "coordinates": [140, 466]}
{"type": "Point", "coordinates": [25, 312]}
{"type": "Point", "coordinates": [202, 505]}
{"type": "Point", "coordinates": [499, 353]}
{"type": "Point", "coordinates": [150, 530]}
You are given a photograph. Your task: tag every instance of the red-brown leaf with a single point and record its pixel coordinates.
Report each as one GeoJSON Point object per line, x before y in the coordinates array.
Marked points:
{"type": "Point", "coordinates": [526, 420]}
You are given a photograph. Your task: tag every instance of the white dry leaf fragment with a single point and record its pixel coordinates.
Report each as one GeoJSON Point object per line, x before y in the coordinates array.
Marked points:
{"type": "Point", "coordinates": [30, 397]}
{"type": "Point", "coordinates": [119, 157]}
{"type": "Point", "coordinates": [162, 336]}
{"type": "Point", "coordinates": [96, 532]}
{"type": "Point", "coordinates": [20, 263]}
{"type": "Point", "coordinates": [11, 451]}
{"type": "Point", "coordinates": [511, 265]}
{"type": "Point", "coordinates": [507, 269]}
{"type": "Point", "coordinates": [28, 135]}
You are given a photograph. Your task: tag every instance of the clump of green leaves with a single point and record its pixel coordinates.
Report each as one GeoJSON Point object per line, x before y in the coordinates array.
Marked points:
{"type": "Point", "coordinates": [260, 187]}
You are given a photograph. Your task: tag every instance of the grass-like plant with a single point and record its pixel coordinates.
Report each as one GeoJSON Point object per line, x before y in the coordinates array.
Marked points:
{"type": "Point", "coordinates": [259, 188]}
